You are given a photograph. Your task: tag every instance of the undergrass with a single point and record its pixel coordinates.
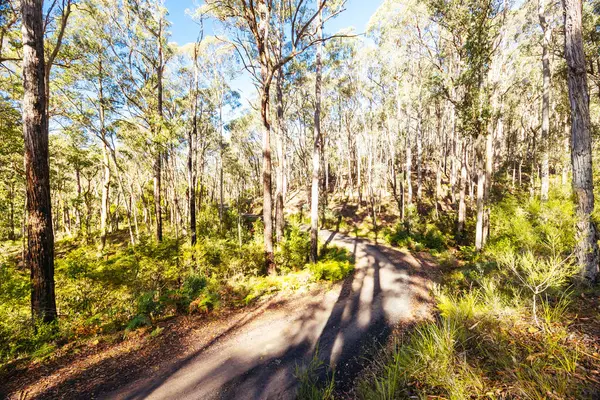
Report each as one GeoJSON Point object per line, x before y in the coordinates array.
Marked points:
{"type": "Point", "coordinates": [504, 322]}
{"type": "Point", "coordinates": [125, 288]}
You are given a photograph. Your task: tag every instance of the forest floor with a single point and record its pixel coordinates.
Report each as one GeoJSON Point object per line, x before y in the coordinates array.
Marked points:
{"type": "Point", "coordinates": [252, 353]}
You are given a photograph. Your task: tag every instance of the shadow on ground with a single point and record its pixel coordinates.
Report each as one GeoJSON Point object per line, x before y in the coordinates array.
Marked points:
{"type": "Point", "coordinates": [257, 356]}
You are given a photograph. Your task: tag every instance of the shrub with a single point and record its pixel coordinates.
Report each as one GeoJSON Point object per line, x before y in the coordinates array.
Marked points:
{"type": "Point", "coordinates": [193, 285]}
{"type": "Point", "coordinates": [138, 321]}
{"type": "Point", "coordinates": [420, 236]}
{"type": "Point", "coordinates": [538, 274]}
{"type": "Point", "coordinates": [149, 304]}
{"type": "Point", "coordinates": [330, 270]}
{"type": "Point", "coordinates": [523, 224]}
{"type": "Point", "coordinates": [205, 303]}
{"type": "Point", "coordinates": [293, 251]}
{"type": "Point", "coordinates": [335, 265]}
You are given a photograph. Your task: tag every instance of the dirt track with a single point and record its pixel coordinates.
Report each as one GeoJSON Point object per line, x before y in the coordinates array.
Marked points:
{"type": "Point", "coordinates": [253, 353]}
{"type": "Point", "coordinates": [258, 360]}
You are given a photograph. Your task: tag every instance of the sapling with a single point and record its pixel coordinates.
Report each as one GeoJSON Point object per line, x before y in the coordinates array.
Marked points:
{"type": "Point", "coordinates": [538, 273]}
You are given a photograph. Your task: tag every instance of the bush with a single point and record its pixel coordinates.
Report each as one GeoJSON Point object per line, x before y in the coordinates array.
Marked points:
{"type": "Point", "coordinates": [420, 236]}
{"type": "Point", "coordinates": [293, 251]}
{"type": "Point", "coordinates": [538, 274]}
{"type": "Point", "coordinates": [205, 303]}
{"type": "Point", "coordinates": [335, 265]}
{"type": "Point", "coordinates": [523, 224]}
{"type": "Point", "coordinates": [193, 285]}
{"type": "Point", "coordinates": [330, 270]}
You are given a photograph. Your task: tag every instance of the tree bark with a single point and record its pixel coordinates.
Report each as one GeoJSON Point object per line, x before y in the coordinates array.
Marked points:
{"type": "Point", "coordinates": [489, 166]}
{"type": "Point", "coordinates": [547, 33]}
{"type": "Point", "coordinates": [581, 141]}
{"type": "Point", "coordinates": [192, 139]}
{"type": "Point", "coordinates": [279, 212]}
{"type": "Point", "coordinates": [481, 184]}
{"type": "Point", "coordinates": [40, 252]}
{"type": "Point", "coordinates": [419, 153]}
{"type": "Point", "coordinates": [106, 164]}
{"type": "Point", "coordinates": [11, 215]}
{"type": "Point", "coordinates": [409, 191]}
{"type": "Point", "coordinates": [316, 157]}
{"type": "Point", "coordinates": [462, 208]}
{"type": "Point", "coordinates": [260, 26]}
{"type": "Point", "coordinates": [158, 160]}
{"type": "Point", "coordinates": [267, 184]}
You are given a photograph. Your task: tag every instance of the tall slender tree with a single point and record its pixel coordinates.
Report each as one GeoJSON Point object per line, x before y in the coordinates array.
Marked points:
{"type": "Point", "coordinates": [253, 23]}
{"type": "Point", "coordinates": [547, 33]}
{"type": "Point", "coordinates": [40, 237]}
{"type": "Point", "coordinates": [581, 141]}
{"type": "Point", "coordinates": [316, 157]}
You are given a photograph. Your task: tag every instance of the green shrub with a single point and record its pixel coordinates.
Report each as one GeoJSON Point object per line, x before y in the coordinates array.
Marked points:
{"type": "Point", "coordinates": [193, 285]}
{"type": "Point", "coordinates": [149, 304]}
{"type": "Point", "coordinates": [330, 270]}
{"type": "Point", "coordinates": [205, 303]}
{"type": "Point", "coordinates": [419, 237]}
{"type": "Point", "coordinates": [293, 252]}
{"type": "Point", "coordinates": [335, 265]}
{"type": "Point", "coordinates": [138, 321]}
{"type": "Point", "coordinates": [524, 224]}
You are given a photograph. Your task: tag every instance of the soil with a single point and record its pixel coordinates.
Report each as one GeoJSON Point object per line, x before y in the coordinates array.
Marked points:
{"type": "Point", "coordinates": [253, 353]}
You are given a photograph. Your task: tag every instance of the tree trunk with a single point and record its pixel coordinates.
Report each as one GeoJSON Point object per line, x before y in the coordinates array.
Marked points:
{"type": "Point", "coordinates": [158, 160]}
{"type": "Point", "coordinates": [316, 157]}
{"type": "Point", "coordinates": [157, 196]}
{"type": "Point", "coordinates": [462, 208]}
{"type": "Point", "coordinates": [220, 172]}
{"type": "Point", "coordinates": [480, 199]}
{"type": "Point", "coordinates": [454, 158]}
{"type": "Point", "coordinates": [279, 212]}
{"type": "Point", "coordinates": [192, 139]}
{"type": "Point", "coordinates": [489, 166]}
{"type": "Point", "coordinates": [267, 194]}
{"type": "Point", "coordinates": [581, 142]}
{"type": "Point", "coordinates": [106, 164]}
{"type": "Point", "coordinates": [545, 101]}
{"type": "Point", "coordinates": [40, 253]}
{"type": "Point", "coordinates": [419, 155]}
{"type": "Point", "coordinates": [11, 215]}
{"type": "Point", "coordinates": [409, 192]}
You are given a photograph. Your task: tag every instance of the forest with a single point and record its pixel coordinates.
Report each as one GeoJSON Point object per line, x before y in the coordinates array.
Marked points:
{"type": "Point", "coordinates": [299, 199]}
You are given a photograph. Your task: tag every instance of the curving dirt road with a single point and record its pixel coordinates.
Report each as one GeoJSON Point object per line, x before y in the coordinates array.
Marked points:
{"type": "Point", "coordinates": [258, 360]}
{"type": "Point", "coordinates": [249, 354]}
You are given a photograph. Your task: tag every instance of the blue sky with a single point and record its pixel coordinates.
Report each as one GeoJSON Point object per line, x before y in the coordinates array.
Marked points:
{"type": "Point", "coordinates": [184, 30]}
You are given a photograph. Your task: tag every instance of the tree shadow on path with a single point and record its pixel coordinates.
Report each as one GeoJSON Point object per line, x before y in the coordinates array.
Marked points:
{"type": "Point", "coordinates": [258, 358]}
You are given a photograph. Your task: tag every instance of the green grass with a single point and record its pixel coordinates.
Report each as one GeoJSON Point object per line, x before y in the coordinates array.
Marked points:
{"type": "Point", "coordinates": [503, 326]}
{"type": "Point", "coordinates": [126, 288]}
{"type": "Point", "coordinates": [311, 385]}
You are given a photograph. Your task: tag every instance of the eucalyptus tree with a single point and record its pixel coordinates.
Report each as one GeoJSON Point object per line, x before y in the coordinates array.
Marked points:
{"type": "Point", "coordinates": [40, 236]}
{"type": "Point", "coordinates": [87, 96]}
{"type": "Point", "coordinates": [546, 38]}
{"type": "Point", "coordinates": [317, 146]}
{"type": "Point", "coordinates": [253, 33]}
{"type": "Point", "coordinates": [139, 42]}
{"type": "Point", "coordinates": [195, 109]}
{"type": "Point", "coordinates": [587, 251]}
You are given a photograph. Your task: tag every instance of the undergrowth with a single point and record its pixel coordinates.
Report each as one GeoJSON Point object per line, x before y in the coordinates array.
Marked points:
{"type": "Point", "coordinates": [504, 323]}
{"type": "Point", "coordinates": [128, 287]}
